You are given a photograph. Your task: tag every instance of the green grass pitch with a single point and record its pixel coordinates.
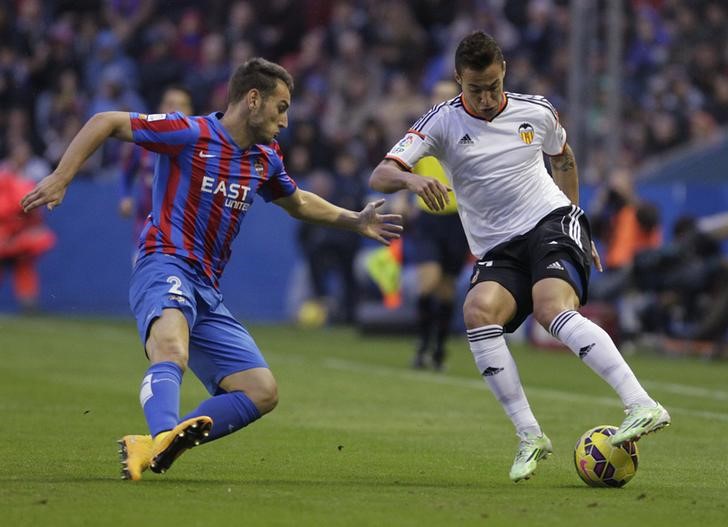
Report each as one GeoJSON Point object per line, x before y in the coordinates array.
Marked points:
{"type": "Point", "coordinates": [357, 439]}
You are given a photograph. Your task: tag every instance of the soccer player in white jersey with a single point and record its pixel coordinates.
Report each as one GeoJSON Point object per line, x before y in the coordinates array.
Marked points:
{"type": "Point", "coordinates": [526, 227]}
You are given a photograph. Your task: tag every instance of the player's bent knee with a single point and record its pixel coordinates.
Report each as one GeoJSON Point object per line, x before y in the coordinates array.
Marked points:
{"type": "Point", "coordinates": [168, 350]}
{"type": "Point", "coordinates": [257, 384]}
{"type": "Point", "coordinates": [266, 400]}
{"type": "Point", "coordinates": [478, 312]}
{"type": "Point", "coordinates": [546, 312]}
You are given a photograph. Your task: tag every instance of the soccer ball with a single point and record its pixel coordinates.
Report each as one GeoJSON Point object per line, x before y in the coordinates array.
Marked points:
{"type": "Point", "coordinates": [599, 464]}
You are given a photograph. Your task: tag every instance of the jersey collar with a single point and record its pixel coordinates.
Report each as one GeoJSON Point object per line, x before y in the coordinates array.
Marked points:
{"type": "Point", "coordinates": [471, 113]}
{"type": "Point", "coordinates": [215, 119]}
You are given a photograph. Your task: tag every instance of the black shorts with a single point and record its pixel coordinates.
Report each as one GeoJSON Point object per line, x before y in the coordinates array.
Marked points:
{"type": "Point", "coordinates": [440, 238]}
{"type": "Point", "coordinates": [559, 246]}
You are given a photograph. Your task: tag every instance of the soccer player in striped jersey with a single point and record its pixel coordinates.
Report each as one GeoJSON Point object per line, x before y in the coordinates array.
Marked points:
{"type": "Point", "coordinates": [209, 170]}
{"type": "Point", "coordinates": [531, 237]}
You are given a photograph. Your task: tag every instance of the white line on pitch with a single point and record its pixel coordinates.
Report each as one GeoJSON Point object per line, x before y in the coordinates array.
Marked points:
{"type": "Point", "coordinates": [684, 389]}
{"type": "Point", "coordinates": [345, 365]}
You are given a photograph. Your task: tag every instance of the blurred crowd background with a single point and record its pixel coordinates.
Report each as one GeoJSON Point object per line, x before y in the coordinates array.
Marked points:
{"type": "Point", "coordinates": [364, 70]}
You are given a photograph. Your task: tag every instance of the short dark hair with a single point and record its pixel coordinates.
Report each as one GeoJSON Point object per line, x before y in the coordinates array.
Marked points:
{"type": "Point", "coordinates": [257, 73]}
{"type": "Point", "coordinates": [477, 51]}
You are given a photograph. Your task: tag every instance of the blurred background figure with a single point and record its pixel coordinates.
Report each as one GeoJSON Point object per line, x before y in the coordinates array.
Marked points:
{"type": "Point", "coordinates": [137, 164]}
{"type": "Point", "coordinates": [624, 225]}
{"type": "Point", "coordinates": [686, 284]}
{"type": "Point", "coordinates": [330, 253]}
{"type": "Point", "coordinates": [439, 251]}
{"type": "Point", "coordinates": [23, 239]}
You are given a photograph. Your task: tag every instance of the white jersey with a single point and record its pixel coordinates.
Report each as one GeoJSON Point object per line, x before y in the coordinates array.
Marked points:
{"type": "Point", "coordinates": [496, 167]}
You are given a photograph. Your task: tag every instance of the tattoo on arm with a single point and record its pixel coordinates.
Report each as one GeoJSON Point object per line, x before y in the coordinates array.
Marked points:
{"type": "Point", "coordinates": [564, 162]}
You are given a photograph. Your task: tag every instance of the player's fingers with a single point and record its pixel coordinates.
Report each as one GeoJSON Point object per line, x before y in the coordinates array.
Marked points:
{"type": "Point", "coordinates": [395, 229]}
{"type": "Point", "coordinates": [596, 258]}
{"type": "Point", "coordinates": [441, 193]}
{"type": "Point", "coordinates": [29, 198]}
{"type": "Point", "coordinates": [431, 200]}
{"type": "Point", "coordinates": [444, 189]}
{"type": "Point", "coordinates": [381, 239]}
{"type": "Point", "coordinates": [379, 203]}
{"type": "Point", "coordinates": [437, 196]}
{"type": "Point", "coordinates": [33, 203]}
{"type": "Point", "coordinates": [391, 218]}
{"type": "Point", "coordinates": [441, 199]}
{"type": "Point", "coordinates": [426, 198]}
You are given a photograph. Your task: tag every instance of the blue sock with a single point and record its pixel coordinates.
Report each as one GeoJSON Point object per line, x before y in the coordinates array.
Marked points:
{"type": "Point", "coordinates": [229, 412]}
{"type": "Point", "coordinates": [159, 396]}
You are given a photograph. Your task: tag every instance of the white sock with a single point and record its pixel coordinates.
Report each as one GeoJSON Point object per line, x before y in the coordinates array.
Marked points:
{"type": "Point", "coordinates": [498, 368]}
{"type": "Point", "coordinates": [595, 347]}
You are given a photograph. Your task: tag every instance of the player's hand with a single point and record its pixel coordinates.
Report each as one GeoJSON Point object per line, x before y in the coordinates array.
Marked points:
{"type": "Point", "coordinates": [380, 227]}
{"type": "Point", "coordinates": [49, 192]}
{"type": "Point", "coordinates": [432, 192]}
{"type": "Point", "coordinates": [126, 207]}
{"type": "Point", "coordinates": [595, 257]}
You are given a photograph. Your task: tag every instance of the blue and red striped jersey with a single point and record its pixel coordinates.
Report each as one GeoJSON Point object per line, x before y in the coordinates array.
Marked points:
{"type": "Point", "coordinates": [204, 183]}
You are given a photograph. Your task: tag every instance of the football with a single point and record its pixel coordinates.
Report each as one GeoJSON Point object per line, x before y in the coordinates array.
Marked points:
{"type": "Point", "coordinates": [599, 464]}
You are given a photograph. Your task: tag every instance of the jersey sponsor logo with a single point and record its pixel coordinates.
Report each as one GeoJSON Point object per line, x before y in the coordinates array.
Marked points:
{"type": "Point", "coordinates": [235, 193]}
{"type": "Point", "coordinates": [204, 155]}
{"type": "Point", "coordinates": [526, 132]}
{"type": "Point", "coordinates": [466, 140]}
{"type": "Point", "coordinates": [152, 117]}
{"type": "Point", "coordinates": [404, 144]}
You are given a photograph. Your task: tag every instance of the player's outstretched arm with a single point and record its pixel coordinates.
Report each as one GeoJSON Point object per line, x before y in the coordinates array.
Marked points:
{"type": "Point", "coordinates": [312, 208]}
{"type": "Point", "coordinates": [51, 189]}
{"type": "Point", "coordinates": [388, 177]}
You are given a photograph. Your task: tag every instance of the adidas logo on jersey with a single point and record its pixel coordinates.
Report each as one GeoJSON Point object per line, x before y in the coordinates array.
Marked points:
{"type": "Point", "coordinates": [556, 265]}
{"type": "Point", "coordinates": [465, 140]}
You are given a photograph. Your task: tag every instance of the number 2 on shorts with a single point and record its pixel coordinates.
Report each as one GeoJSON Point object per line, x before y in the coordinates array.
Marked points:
{"type": "Point", "coordinates": [176, 283]}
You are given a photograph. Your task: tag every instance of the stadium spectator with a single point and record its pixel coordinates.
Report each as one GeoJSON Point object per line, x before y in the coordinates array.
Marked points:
{"type": "Point", "coordinates": [440, 250]}
{"type": "Point", "coordinates": [61, 104]}
{"type": "Point", "coordinates": [686, 283]}
{"type": "Point", "coordinates": [626, 226]}
{"type": "Point", "coordinates": [23, 163]}
{"type": "Point", "coordinates": [344, 54]}
{"type": "Point", "coordinates": [137, 172]}
{"type": "Point", "coordinates": [624, 223]}
{"type": "Point", "coordinates": [330, 253]}
{"type": "Point", "coordinates": [209, 169]}
{"type": "Point", "coordinates": [158, 66]}
{"type": "Point", "coordinates": [533, 241]}
{"type": "Point", "coordinates": [23, 239]}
